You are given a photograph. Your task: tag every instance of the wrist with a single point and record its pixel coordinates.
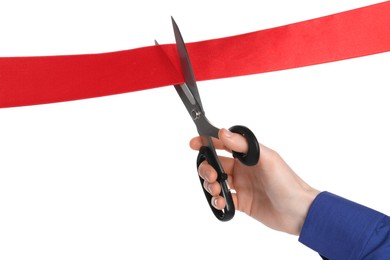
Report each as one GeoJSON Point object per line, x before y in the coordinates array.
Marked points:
{"type": "Point", "coordinates": [305, 200]}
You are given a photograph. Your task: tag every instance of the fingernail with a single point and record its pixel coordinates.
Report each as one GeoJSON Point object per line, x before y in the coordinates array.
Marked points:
{"type": "Point", "coordinates": [209, 188]}
{"type": "Point", "coordinates": [215, 202]}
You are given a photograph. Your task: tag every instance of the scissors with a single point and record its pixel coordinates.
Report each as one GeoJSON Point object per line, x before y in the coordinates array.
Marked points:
{"type": "Point", "coordinates": [189, 94]}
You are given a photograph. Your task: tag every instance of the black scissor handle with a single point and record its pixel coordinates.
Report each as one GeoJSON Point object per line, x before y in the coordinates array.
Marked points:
{"type": "Point", "coordinates": [250, 158]}
{"type": "Point", "coordinates": [205, 153]}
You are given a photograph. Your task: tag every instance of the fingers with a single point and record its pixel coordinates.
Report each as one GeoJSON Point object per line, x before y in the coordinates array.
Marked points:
{"type": "Point", "coordinates": [208, 173]}
{"type": "Point", "coordinates": [233, 141]}
{"type": "Point", "coordinates": [196, 143]}
{"type": "Point", "coordinates": [227, 140]}
{"type": "Point", "coordinates": [210, 183]}
{"type": "Point", "coordinates": [213, 188]}
{"type": "Point", "coordinates": [218, 202]}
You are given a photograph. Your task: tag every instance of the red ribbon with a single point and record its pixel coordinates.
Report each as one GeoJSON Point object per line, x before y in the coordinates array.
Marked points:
{"type": "Point", "coordinates": [46, 79]}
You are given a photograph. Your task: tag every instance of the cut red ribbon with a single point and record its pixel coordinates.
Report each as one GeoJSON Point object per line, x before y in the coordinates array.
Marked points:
{"type": "Point", "coordinates": [47, 79]}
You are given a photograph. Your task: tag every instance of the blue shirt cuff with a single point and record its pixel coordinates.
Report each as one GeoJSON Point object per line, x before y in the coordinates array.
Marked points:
{"type": "Point", "coordinates": [338, 228]}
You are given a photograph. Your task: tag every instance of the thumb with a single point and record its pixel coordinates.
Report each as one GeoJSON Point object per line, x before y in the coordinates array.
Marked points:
{"type": "Point", "coordinates": [233, 141]}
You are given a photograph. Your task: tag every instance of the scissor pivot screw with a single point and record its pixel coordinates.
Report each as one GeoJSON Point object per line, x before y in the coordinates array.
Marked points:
{"type": "Point", "coordinates": [223, 177]}
{"type": "Point", "coordinates": [195, 114]}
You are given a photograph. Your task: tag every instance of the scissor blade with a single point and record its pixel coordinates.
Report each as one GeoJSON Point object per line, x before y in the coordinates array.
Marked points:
{"type": "Point", "coordinates": [183, 91]}
{"type": "Point", "coordinates": [186, 66]}
{"type": "Point", "coordinates": [187, 98]}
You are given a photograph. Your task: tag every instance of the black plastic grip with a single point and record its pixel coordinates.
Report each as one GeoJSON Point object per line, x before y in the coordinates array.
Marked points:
{"type": "Point", "coordinates": [205, 153]}
{"type": "Point", "coordinates": [252, 156]}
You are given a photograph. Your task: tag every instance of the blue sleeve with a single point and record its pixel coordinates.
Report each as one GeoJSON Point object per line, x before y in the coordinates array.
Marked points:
{"type": "Point", "coordinates": [340, 229]}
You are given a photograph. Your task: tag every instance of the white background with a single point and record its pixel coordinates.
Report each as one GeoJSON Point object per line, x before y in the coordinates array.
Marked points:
{"type": "Point", "coordinates": [114, 178]}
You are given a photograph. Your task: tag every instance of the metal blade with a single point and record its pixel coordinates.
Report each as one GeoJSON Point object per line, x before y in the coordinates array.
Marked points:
{"type": "Point", "coordinates": [186, 65]}
{"type": "Point", "coordinates": [183, 91]}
